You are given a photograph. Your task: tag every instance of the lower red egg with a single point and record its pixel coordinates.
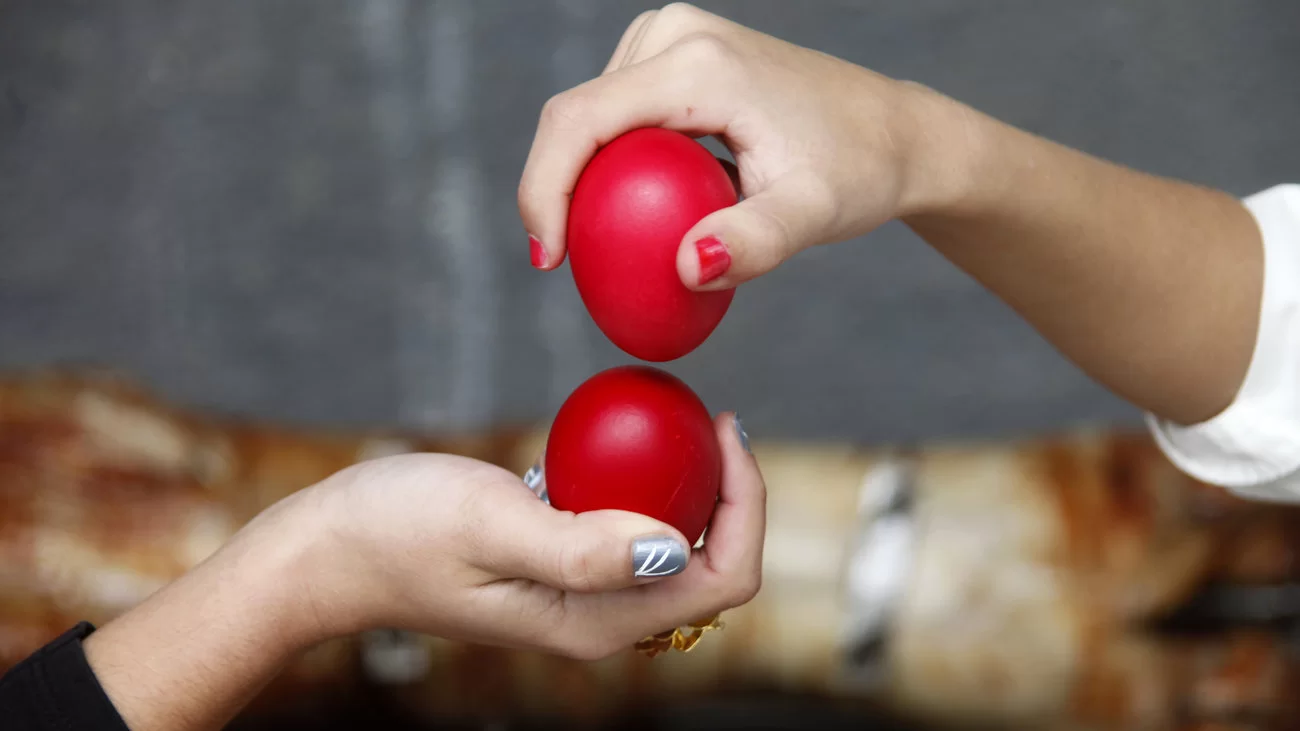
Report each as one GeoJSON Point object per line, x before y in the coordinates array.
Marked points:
{"type": "Point", "coordinates": [638, 439]}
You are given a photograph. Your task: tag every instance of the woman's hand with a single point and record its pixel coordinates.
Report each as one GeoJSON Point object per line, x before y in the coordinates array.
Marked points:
{"type": "Point", "coordinates": [436, 544]}
{"type": "Point", "coordinates": [825, 149]}
{"type": "Point", "coordinates": [457, 548]}
{"type": "Point", "coordinates": [1135, 278]}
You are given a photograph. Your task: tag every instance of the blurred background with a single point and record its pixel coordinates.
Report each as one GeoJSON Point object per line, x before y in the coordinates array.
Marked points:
{"type": "Point", "coordinates": [303, 214]}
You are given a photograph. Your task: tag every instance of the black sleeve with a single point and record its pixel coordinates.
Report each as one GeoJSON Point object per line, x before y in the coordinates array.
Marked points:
{"type": "Point", "coordinates": [55, 690]}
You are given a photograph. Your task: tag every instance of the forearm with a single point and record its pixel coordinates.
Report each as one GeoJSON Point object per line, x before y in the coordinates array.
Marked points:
{"type": "Point", "coordinates": [193, 654]}
{"type": "Point", "coordinates": [1151, 286]}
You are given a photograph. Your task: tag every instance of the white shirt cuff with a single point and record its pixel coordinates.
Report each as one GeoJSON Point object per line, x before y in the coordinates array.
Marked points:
{"type": "Point", "coordinates": [1253, 446]}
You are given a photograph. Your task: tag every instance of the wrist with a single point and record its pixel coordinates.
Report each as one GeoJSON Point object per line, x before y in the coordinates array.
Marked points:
{"type": "Point", "coordinates": [284, 560]}
{"type": "Point", "coordinates": [197, 649]}
{"type": "Point", "coordinates": [945, 146]}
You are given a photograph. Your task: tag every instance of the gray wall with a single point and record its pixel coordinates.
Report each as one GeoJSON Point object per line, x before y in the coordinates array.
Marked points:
{"type": "Point", "coordinates": [304, 209]}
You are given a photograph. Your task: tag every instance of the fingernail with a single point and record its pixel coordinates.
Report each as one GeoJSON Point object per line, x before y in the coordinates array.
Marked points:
{"type": "Point", "coordinates": [714, 259]}
{"type": "Point", "coordinates": [535, 479]}
{"type": "Point", "coordinates": [740, 432]}
{"type": "Point", "coordinates": [536, 252]}
{"type": "Point", "coordinates": [657, 556]}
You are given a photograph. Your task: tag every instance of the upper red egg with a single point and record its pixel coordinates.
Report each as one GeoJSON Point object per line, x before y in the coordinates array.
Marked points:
{"type": "Point", "coordinates": [635, 438]}
{"type": "Point", "coordinates": [632, 205]}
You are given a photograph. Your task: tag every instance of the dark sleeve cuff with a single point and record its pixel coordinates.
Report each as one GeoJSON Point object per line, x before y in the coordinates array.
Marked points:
{"type": "Point", "coordinates": [55, 690]}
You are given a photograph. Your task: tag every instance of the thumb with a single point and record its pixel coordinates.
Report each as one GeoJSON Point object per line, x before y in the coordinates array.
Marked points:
{"type": "Point", "coordinates": [601, 550]}
{"type": "Point", "coordinates": [754, 236]}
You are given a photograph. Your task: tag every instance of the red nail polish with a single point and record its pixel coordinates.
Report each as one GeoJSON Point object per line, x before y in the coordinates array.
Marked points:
{"type": "Point", "coordinates": [714, 259]}
{"type": "Point", "coordinates": [536, 252]}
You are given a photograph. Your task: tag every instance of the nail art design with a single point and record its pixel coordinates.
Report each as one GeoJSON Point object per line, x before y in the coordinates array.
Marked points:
{"type": "Point", "coordinates": [657, 556]}
{"type": "Point", "coordinates": [740, 432]}
{"type": "Point", "coordinates": [714, 258]}
{"type": "Point", "coordinates": [535, 479]}
{"type": "Point", "coordinates": [536, 253]}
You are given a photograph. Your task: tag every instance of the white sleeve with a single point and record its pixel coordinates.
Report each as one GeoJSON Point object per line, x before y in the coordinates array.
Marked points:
{"type": "Point", "coordinates": [1253, 446]}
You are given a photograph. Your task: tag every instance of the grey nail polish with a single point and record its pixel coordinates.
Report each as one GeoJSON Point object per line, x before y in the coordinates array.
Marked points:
{"type": "Point", "coordinates": [535, 479]}
{"type": "Point", "coordinates": [657, 556]}
{"type": "Point", "coordinates": [740, 432]}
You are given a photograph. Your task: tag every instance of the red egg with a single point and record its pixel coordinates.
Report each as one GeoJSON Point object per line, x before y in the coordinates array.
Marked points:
{"type": "Point", "coordinates": [635, 438]}
{"type": "Point", "coordinates": [632, 205]}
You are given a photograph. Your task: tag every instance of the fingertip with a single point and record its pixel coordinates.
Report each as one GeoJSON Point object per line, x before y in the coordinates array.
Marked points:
{"type": "Point", "coordinates": [543, 256]}
{"type": "Point", "coordinates": [537, 253]}
{"type": "Point", "coordinates": [544, 218]}
{"type": "Point", "coordinates": [688, 263]}
{"type": "Point", "coordinates": [738, 427]}
{"type": "Point", "coordinates": [734, 542]}
{"type": "Point", "coordinates": [714, 259]}
{"type": "Point", "coordinates": [597, 551]}
{"type": "Point", "coordinates": [641, 535]}
{"type": "Point", "coordinates": [742, 481]}
{"type": "Point", "coordinates": [732, 435]}
{"type": "Point", "coordinates": [711, 255]}
{"type": "Point", "coordinates": [704, 263]}
{"type": "Point", "coordinates": [636, 524]}
{"type": "Point", "coordinates": [656, 557]}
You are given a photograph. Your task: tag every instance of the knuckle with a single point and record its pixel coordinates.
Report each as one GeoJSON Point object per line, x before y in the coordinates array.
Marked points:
{"type": "Point", "coordinates": [704, 49]}
{"type": "Point", "coordinates": [474, 526]}
{"type": "Point", "coordinates": [565, 111]}
{"type": "Point", "coordinates": [644, 16]}
{"type": "Point", "coordinates": [777, 237]}
{"type": "Point", "coordinates": [680, 11]}
{"type": "Point", "coordinates": [822, 198]}
{"type": "Point", "coordinates": [573, 569]}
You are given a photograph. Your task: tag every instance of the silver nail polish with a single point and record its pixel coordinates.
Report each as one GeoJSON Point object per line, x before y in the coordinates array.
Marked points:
{"type": "Point", "coordinates": [657, 556]}
{"type": "Point", "coordinates": [740, 432]}
{"type": "Point", "coordinates": [535, 478]}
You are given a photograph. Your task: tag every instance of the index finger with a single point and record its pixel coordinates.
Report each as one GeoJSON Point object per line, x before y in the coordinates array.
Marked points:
{"type": "Point", "coordinates": [676, 89]}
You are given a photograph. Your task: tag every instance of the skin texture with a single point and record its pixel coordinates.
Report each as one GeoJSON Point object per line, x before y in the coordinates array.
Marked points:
{"type": "Point", "coordinates": [431, 543]}
{"type": "Point", "coordinates": [1152, 286]}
